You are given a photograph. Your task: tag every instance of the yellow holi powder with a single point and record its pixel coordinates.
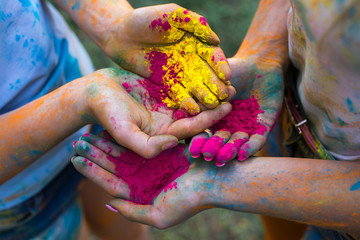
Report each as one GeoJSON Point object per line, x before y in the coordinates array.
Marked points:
{"type": "Point", "coordinates": [179, 68]}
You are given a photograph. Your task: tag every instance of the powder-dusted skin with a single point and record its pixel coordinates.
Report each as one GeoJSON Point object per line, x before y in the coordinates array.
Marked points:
{"type": "Point", "coordinates": [229, 150]}
{"type": "Point", "coordinates": [212, 147]}
{"type": "Point", "coordinates": [146, 178]}
{"type": "Point", "coordinates": [178, 69]}
{"type": "Point", "coordinates": [242, 118]}
{"type": "Point", "coordinates": [196, 146]}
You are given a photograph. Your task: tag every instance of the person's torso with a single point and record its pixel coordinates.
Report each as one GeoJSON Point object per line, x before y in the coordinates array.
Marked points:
{"type": "Point", "coordinates": [324, 44]}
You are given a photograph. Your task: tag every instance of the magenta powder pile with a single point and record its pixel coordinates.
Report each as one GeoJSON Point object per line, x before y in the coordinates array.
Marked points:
{"type": "Point", "coordinates": [242, 118]}
{"type": "Point", "coordinates": [146, 178]}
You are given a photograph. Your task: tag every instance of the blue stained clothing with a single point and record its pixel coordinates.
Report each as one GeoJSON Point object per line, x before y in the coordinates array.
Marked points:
{"type": "Point", "coordinates": [38, 53]}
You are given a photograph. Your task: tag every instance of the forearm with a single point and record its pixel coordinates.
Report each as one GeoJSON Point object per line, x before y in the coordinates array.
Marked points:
{"type": "Point", "coordinates": [315, 192]}
{"type": "Point", "coordinates": [96, 17]}
{"type": "Point", "coordinates": [267, 36]}
{"type": "Point", "coordinates": [35, 128]}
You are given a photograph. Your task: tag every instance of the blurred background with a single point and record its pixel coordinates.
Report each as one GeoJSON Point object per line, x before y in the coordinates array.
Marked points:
{"type": "Point", "coordinates": [230, 20]}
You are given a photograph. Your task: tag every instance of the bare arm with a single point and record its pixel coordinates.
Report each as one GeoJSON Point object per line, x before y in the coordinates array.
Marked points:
{"type": "Point", "coordinates": [267, 37]}
{"type": "Point", "coordinates": [316, 192]}
{"type": "Point", "coordinates": [33, 129]}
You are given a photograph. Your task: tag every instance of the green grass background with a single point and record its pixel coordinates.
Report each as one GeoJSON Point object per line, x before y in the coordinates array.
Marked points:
{"type": "Point", "coordinates": [230, 19]}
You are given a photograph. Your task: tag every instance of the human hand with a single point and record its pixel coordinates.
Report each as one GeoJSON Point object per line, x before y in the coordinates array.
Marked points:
{"type": "Point", "coordinates": [245, 129]}
{"type": "Point", "coordinates": [175, 49]}
{"type": "Point", "coordinates": [133, 180]}
{"type": "Point", "coordinates": [126, 106]}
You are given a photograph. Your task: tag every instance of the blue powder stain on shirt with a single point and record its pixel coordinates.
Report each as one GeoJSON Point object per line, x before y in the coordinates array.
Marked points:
{"type": "Point", "coordinates": [26, 43]}
{"type": "Point", "coordinates": [17, 37]}
{"type": "Point", "coordinates": [25, 3]}
{"type": "Point", "coordinates": [350, 105]}
{"type": "Point", "coordinates": [355, 187]}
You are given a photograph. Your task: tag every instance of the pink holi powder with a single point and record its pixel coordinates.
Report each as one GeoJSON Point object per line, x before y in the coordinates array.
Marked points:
{"type": "Point", "coordinates": [155, 92]}
{"type": "Point", "coordinates": [161, 25]}
{"type": "Point", "coordinates": [229, 150]}
{"type": "Point", "coordinates": [146, 178]}
{"type": "Point", "coordinates": [113, 122]}
{"type": "Point", "coordinates": [187, 19]}
{"type": "Point", "coordinates": [179, 114]}
{"type": "Point", "coordinates": [158, 88]}
{"type": "Point", "coordinates": [170, 186]}
{"type": "Point", "coordinates": [127, 87]}
{"type": "Point", "coordinates": [196, 146]}
{"type": "Point", "coordinates": [203, 21]}
{"type": "Point", "coordinates": [86, 134]}
{"type": "Point", "coordinates": [212, 147]}
{"type": "Point", "coordinates": [186, 12]}
{"type": "Point", "coordinates": [242, 118]}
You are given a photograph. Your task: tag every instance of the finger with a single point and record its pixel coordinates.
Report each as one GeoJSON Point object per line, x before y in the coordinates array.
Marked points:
{"type": "Point", "coordinates": [109, 147]}
{"type": "Point", "coordinates": [255, 143]}
{"type": "Point", "coordinates": [188, 127]}
{"type": "Point", "coordinates": [216, 59]}
{"type": "Point", "coordinates": [181, 96]}
{"type": "Point", "coordinates": [230, 149]}
{"type": "Point", "coordinates": [232, 93]}
{"type": "Point", "coordinates": [130, 136]}
{"type": "Point", "coordinates": [109, 182]}
{"type": "Point", "coordinates": [95, 155]}
{"type": "Point", "coordinates": [179, 114]}
{"type": "Point", "coordinates": [214, 144]}
{"type": "Point", "coordinates": [195, 24]}
{"type": "Point", "coordinates": [105, 134]}
{"type": "Point", "coordinates": [197, 143]}
{"type": "Point", "coordinates": [204, 95]}
{"type": "Point", "coordinates": [134, 212]}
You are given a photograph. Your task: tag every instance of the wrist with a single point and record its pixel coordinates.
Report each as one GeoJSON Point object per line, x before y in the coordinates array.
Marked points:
{"type": "Point", "coordinates": [79, 90]}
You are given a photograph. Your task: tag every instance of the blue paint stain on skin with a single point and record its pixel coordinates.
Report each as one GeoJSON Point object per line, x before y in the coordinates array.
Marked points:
{"type": "Point", "coordinates": [17, 37]}
{"type": "Point", "coordinates": [350, 105]}
{"type": "Point", "coordinates": [76, 6]}
{"type": "Point", "coordinates": [355, 187]}
{"type": "Point", "coordinates": [341, 122]}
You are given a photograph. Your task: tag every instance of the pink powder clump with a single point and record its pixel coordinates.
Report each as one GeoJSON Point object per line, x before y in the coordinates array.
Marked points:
{"type": "Point", "coordinates": [155, 92]}
{"type": "Point", "coordinates": [187, 19]}
{"type": "Point", "coordinates": [127, 87]}
{"type": "Point", "coordinates": [242, 118]}
{"type": "Point", "coordinates": [203, 21]}
{"type": "Point", "coordinates": [170, 186]}
{"type": "Point", "coordinates": [146, 178]}
{"type": "Point", "coordinates": [162, 25]}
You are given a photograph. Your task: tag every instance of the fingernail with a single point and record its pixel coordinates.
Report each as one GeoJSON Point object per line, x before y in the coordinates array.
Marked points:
{"type": "Point", "coordinates": [169, 145]}
{"type": "Point", "coordinates": [74, 144]}
{"type": "Point", "coordinates": [242, 155]}
{"type": "Point", "coordinates": [197, 156]}
{"type": "Point", "coordinates": [111, 208]}
{"type": "Point", "coordinates": [220, 164]}
{"type": "Point", "coordinates": [208, 158]}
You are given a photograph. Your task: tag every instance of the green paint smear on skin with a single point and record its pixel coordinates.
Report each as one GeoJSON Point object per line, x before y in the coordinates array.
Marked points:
{"type": "Point", "coordinates": [355, 187]}
{"type": "Point", "coordinates": [87, 118]}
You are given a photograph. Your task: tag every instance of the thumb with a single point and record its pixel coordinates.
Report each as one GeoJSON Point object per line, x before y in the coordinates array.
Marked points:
{"type": "Point", "coordinates": [134, 212]}
{"type": "Point", "coordinates": [130, 136]}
